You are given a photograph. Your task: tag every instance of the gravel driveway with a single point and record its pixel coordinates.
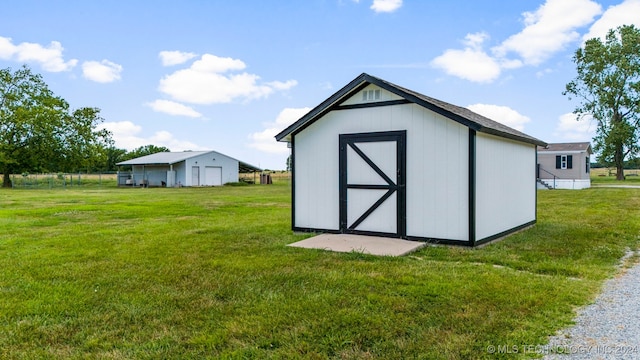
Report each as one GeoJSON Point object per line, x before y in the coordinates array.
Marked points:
{"type": "Point", "coordinates": [607, 329]}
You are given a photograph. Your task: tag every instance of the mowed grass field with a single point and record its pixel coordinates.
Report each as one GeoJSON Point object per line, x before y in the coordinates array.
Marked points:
{"type": "Point", "coordinates": [164, 273]}
{"type": "Point", "coordinates": [605, 176]}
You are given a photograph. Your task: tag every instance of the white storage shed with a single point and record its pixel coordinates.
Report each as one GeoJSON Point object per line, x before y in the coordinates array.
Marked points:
{"type": "Point", "coordinates": [187, 168]}
{"type": "Point", "coordinates": [379, 159]}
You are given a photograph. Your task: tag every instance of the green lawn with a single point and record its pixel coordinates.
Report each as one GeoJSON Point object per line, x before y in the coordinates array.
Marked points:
{"type": "Point", "coordinates": [204, 273]}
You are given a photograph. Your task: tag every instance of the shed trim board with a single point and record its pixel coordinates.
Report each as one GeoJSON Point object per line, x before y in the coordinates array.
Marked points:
{"type": "Point", "coordinates": [293, 187]}
{"type": "Point", "coordinates": [450, 208]}
{"type": "Point", "coordinates": [472, 188]}
{"type": "Point", "coordinates": [376, 104]}
{"type": "Point", "coordinates": [536, 185]}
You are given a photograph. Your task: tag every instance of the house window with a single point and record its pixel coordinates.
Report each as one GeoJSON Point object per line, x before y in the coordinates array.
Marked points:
{"type": "Point", "coordinates": [564, 161]}
{"type": "Point", "coordinates": [369, 95]}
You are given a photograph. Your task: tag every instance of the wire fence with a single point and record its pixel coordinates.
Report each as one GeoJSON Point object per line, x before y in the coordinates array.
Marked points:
{"type": "Point", "coordinates": [114, 179]}
{"type": "Point", "coordinates": [64, 180]}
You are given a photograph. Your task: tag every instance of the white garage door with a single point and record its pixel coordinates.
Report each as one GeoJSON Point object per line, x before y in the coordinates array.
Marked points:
{"type": "Point", "coordinates": [213, 176]}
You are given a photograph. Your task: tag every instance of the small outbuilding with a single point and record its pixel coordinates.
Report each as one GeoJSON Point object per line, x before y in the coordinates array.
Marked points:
{"type": "Point", "coordinates": [564, 166]}
{"type": "Point", "coordinates": [378, 159]}
{"type": "Point", "coordinates": [187, 168]}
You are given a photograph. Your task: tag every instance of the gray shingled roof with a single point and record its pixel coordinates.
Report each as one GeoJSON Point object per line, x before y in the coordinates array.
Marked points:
{"type": "Point", "coordinates": [169, 158]}
{"type": "Point", "coordinates": [578, 146]}
{"type": "Point", "coordinates": [459, 114]}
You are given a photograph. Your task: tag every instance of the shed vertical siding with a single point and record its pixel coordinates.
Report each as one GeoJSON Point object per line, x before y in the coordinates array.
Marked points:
{"type": "Point", "coordinates": [505, 183]}
{"type": "Point", "coordinates": [437, 177]}
{"type": "Point", "coordinates": [316, 183]}
{"type": "Point", "coordinates": [437, 169]}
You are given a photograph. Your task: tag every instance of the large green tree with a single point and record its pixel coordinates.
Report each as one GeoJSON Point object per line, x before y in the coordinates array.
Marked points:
{"type": "Point", "coordinates": [38, 130]}
{"type": "Point", "coordinates": [608, 86]}
{"type": "Point", "coordinates": [114, 156]}
{"type": "Point", "coordinates": [143, 151]}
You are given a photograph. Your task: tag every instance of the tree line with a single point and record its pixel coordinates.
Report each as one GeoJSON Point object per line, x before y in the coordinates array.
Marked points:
{"type": "Point", "coordinates": [114, 155]}
{"type": "Point", "coordinates": [630, 164]}
{"type": "Point", "coordinates": [40, 132]}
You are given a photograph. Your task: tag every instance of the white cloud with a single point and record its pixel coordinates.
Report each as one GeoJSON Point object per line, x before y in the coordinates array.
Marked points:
{"type": "Point", "coordinates": [170, 58]}
{"type": "Point", "coordinates": [104, 71]}
{"type": "Point", "coordinates": [549, 29]}
{"type": "Point", "coordinates": [49, 57]}
{"type": "Point", "coordinates": [265, 140]}
{"type": "Point", "coordinates": [173, 108]}
{"type": "Point", "coordinates": [215, 64]}
{"type": "Point", "coordinates": [126, 136]}
{"type": "Point", "coordinates": [475, 40]}
{"type": "Point", "coordinates": [206, 82]}
{"type": "Point", "coordinates": [472, 63]}
{"type": "Point", "coordinates": [626, 13]}
{"type": "Point", "coordinates": [121, 128]}
{"type": "Point", "coordinates": [165, 138]}
{"type": "Point", "coordinates": [502, 114]}
{"type": "Point", "coordinates": [571, 129]}
{"type": "Point", "coordinates": [386, 5]}
{"type": "Point", "coordinates": [7, 49]}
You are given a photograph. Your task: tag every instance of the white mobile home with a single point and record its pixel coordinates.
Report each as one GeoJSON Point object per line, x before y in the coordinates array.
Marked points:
{"type": "Point", "coordinates": [564, 166]}
{"type": "Point", "coordinates": [187, 168]}
{"type": "Point", "coordinates": [379, 159]}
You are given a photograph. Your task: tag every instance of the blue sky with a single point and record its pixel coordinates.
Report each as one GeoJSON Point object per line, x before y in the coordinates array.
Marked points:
{"type": "Point", "coordinates": [229, 75]}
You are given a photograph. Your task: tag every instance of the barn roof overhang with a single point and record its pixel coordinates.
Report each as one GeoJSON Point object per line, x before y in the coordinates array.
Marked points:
{"type": "Point", "coordinates": [247, 168]}
{"type": "Point", "coordinates": [456, 113]}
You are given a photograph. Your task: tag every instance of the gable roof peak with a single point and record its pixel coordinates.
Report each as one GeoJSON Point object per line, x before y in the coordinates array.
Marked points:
{"type": "Point", "coordinates": [456, 113]}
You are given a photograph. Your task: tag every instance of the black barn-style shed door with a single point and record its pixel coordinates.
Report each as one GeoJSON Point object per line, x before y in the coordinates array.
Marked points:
{"type": "Point", "coordinates": [372, 183]}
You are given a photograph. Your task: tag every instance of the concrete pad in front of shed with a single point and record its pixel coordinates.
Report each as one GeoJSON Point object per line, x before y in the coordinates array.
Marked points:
{"type": "Point", "coordinates": [373, 245]}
